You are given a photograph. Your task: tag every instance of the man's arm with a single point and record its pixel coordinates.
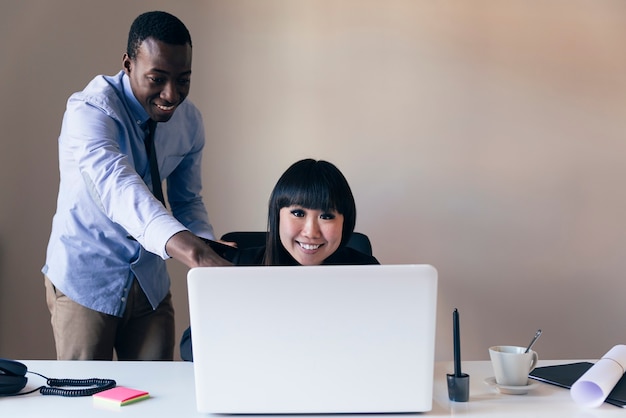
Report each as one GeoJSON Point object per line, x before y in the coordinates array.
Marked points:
{"type": "Point", "coordinates": [193, 251]}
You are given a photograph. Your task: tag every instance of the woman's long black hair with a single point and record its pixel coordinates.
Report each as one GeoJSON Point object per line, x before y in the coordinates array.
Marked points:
{"type": "Point", "coordinates": [312, 184]}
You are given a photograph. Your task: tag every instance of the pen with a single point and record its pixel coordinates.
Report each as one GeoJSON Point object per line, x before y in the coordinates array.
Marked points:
{"type": "Point", "coordinates": [458, 382]}
{"type": "Point", "coordinates": [457, 343]}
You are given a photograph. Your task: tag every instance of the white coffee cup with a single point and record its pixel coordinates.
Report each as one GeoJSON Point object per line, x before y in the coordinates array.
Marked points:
{"type": "Point", "coordinates": [511, 364]}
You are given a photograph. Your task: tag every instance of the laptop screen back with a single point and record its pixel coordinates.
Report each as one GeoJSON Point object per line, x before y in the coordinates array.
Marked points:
{"type": "Point", "coordinates": [313, 339]}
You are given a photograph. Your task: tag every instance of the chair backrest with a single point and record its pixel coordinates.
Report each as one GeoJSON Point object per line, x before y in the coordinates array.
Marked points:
{"type": "Point", "coordinates": [246, 239]}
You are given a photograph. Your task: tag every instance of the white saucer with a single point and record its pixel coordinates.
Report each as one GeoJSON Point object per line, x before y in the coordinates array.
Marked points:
{"type": "Point", "coordinates": [512, 390]}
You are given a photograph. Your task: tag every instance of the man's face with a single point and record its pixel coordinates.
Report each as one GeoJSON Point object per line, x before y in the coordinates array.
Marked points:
{"type": "Point", "coordinates": [160, 77]}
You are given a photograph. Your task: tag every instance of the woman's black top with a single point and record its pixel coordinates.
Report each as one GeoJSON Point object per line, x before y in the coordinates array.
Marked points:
{"type": "Point", "coordinates": [343, 255]}
{"type": "Point", "coordinates": [254, 257]}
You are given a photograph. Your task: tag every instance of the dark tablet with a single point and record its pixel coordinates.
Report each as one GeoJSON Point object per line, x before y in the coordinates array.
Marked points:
{"type": "Point", "coordinates": [565, 375]}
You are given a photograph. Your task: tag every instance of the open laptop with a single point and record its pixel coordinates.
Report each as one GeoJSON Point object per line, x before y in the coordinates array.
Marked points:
{"type": "Point", "coordinates": [313, 339]}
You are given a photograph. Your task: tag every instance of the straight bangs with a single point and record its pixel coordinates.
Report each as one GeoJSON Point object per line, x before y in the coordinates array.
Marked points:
{"type": "Point", "coordinates": [314, 194]}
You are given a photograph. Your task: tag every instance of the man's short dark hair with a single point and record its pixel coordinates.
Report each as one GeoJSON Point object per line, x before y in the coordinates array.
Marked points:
{"type": "Point", "coordinates": [158, 25]}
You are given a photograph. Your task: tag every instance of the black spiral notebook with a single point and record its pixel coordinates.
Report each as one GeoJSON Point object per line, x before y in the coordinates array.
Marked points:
{"type": "Point", "coordinates": [565, 375]}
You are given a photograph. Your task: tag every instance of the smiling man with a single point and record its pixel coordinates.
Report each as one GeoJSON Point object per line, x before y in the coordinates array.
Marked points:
{"type": "Point", "coordinates": [107, 286]}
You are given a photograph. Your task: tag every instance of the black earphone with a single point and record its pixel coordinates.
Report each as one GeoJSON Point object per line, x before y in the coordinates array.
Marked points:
{"type": "Point", "coordinates": [13, 379]}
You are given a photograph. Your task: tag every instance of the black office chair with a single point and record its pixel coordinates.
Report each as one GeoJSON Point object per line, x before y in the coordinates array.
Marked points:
{"type": "Point", "coordinates": [246, 239]}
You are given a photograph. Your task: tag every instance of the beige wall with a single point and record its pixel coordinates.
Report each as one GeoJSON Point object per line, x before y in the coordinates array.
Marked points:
{"type": "Point", "coordinates": [485, 137]}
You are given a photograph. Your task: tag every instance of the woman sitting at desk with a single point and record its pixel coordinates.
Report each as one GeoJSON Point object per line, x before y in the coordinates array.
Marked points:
{"type": "Point", "coordinates": [310, 219]}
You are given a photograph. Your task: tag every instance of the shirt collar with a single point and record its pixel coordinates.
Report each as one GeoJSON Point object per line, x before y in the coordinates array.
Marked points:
{"type": "Point", "coordinates": [139, 114]}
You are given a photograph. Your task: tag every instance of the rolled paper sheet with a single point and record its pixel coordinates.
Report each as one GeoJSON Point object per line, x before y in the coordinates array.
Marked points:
{"type": "Point", "coordinates": [593, 387]}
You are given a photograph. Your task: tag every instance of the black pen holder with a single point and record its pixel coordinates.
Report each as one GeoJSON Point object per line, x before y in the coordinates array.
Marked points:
{"type": "Point", "coordinates": [458, 387]}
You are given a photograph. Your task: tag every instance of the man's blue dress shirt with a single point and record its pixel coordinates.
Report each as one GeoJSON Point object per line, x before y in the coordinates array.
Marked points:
{"type": "Point", "coordinates": [105, 196]}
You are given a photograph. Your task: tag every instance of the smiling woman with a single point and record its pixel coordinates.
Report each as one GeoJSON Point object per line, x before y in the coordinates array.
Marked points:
{"type": "Point", "coordinates": [310, 235]}
{"type": "Point", "coordinates": [311, 217]}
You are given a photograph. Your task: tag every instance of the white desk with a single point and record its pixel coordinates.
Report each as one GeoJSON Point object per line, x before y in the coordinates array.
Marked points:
{"type": "Point", "coordinates": [171, 388]}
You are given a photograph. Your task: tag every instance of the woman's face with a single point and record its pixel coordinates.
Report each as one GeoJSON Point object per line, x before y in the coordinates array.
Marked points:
{"type": "Point", "coordinates": [310, 235]}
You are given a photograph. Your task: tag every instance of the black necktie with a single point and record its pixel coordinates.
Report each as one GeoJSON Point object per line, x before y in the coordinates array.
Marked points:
{"type": "Point", "coordinates": [154, 167]}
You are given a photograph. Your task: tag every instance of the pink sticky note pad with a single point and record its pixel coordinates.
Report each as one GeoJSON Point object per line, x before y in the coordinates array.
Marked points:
{"type": "Point", "coordinates": [121, 395]}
